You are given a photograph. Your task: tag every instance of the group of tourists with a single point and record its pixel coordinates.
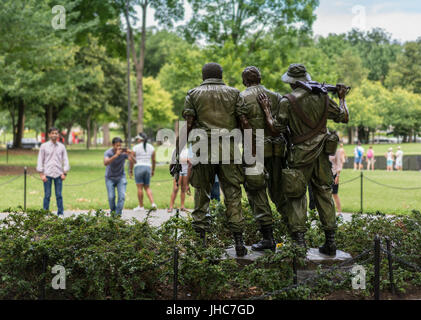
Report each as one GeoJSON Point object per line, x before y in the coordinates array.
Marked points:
{"type": "Point", "coordinates": [296, 145]}
{"type": "Point", "coordinates": [53, 165]}
{"type": "Point", "coordinates": [396, 158]}
{"type": "Point", "coordinates": [391, 158]}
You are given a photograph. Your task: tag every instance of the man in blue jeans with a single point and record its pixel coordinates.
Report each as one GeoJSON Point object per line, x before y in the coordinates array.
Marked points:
{"type": "Point", "coordinates": [53, 165]}
{"type": "Point", "coordinates": [115, 176]}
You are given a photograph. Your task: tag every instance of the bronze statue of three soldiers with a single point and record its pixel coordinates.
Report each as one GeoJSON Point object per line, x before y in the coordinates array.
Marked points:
{"type": "Point", "coordinates": [295, 147]}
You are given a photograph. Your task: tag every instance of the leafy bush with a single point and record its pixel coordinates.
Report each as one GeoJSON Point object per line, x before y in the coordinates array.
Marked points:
{"type": "Point", "coordinates": [104, 257]}
{"type": "Point", "coordinates": [109, 258]}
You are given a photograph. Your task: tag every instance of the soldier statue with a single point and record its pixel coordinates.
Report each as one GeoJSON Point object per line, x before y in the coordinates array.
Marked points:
{"type": "Point", "coordinates": [252, 117]}
{"type": "Point", "coordinates": [212, 106]}
{"type": "Point", "coordinates": [304, 114]}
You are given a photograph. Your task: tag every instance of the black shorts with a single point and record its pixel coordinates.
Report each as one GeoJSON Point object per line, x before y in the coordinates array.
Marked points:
{"type": "Point", "coordinates": [335, 187]}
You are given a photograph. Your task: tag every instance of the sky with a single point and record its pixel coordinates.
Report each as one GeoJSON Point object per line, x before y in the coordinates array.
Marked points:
{"type": "Point", "coordinates": [400, 18]}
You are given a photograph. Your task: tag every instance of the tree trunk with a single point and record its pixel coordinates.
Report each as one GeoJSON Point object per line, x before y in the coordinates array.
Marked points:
{"type": "Point", "coordinates": [95, 134]}
{"type": "Point", "coordinates": [68, 133]}
{"type": "Point", "coordinates": [88, 131]}
{"type": "Point", "coordinates": [20, 125]}
{"type": "Point", "coordinates": [350, 136]}
{"type": "Point", "coordinates": [141, 68]}
{"type": "Point", "coordinates": [106, 134]}
{"type": "Point", "coordinates": [12, 112]}
{"type": "Point", "coordinates": [48, 118]}
{"type": "Point", "coordinates": [139, 64]}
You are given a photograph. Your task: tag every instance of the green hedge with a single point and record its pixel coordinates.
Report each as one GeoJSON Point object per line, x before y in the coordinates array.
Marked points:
{"type": "Point", "coordinates": [108, 258]}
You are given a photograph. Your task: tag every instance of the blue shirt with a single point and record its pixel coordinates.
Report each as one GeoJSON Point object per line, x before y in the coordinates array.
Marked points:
{"type": "Point", "coordinates": [115, 170]}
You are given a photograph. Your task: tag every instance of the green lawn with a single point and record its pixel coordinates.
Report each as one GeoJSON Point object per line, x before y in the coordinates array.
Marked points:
{"type": "Point", "coordinates": [87, 166]}
{"type": "Point", "coordinates": [375, 197]}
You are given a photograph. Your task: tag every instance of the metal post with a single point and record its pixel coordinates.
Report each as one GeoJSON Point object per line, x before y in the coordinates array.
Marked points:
{"type": "Point", "coordinates": [177, 216]}
{"type": "Point", "coordinates": [294, 269]}
{"type": "Point", "coordinates": [7, 153]}
{"type": "Point", "coordinates": [129, 109]}
{"type": "Point", "coordinates": [44, 274]}
{"type": "Point", "coordinates": [389, 258]}
{"type": "Point", "coordinates": [377, 268]}
{"type": "Point", "coordinates": [175, 280]}
{"type": "Point", "coordinates": [24, 188]}
{"type": "Point", "coordinates": [362, 187]}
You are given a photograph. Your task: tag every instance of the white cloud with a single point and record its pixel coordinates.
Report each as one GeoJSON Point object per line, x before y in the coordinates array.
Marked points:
{"type": "Point", "coordinates": [402, 26]}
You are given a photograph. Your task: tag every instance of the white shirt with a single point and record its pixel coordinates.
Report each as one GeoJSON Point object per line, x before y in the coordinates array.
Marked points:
{"type": "Point", "coordinates": [52, 159]}
{"type": "Point", "coordinates": [336, 161]}
{"type": "Point", "coordinates": [399, 155]}
{"type": "Point", "coordinates": [143, 158]}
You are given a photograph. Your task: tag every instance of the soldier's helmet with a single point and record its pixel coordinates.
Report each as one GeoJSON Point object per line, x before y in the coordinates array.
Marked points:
{"type": "Point", "coordinates": [296, 72]}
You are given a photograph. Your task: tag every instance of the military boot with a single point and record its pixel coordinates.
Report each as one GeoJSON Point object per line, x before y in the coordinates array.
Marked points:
{"type": "Point", "coordinates": [240, 249]}
{"type": "Point", "coordinates": [267, 242]}
{"type": "Point", "coordinates": [329, 248]}
{"type": "Point", "coordinates": [202, 236]}
{"type": "Point", "coordinates": [298, 238]}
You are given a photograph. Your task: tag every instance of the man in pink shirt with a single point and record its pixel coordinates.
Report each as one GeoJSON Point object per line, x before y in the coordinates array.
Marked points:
{"type": "Point", "coordinates": [337, 164]}
{"type": "Point", "coordinates": [53, 165]}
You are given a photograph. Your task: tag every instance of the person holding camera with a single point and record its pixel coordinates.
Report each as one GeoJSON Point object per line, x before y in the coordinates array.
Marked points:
{"type": "Point", "coordinates": [115, 176]}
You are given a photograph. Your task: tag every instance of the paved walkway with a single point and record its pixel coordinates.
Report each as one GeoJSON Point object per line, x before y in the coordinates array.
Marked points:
{"type": "Point", "coordinates": [156, 218]}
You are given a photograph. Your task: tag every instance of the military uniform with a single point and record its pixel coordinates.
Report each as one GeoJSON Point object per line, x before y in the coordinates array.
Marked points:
{"type": "Point", "coordinates": [309, 158]}
{"type": "Point", "coordinates": [274, 149]}
{"type": "Point", "coordinates": [213, 105]}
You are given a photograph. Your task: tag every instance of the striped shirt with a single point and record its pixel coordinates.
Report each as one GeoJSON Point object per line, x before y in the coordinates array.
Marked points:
{"type": "Point", "coordinates": [52, 159]}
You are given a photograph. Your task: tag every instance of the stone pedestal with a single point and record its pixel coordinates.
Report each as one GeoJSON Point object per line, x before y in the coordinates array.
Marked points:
{"type": "Point", "coordinates": [315, 259]}
{"type": "Point", "coordinates": [249, 258]}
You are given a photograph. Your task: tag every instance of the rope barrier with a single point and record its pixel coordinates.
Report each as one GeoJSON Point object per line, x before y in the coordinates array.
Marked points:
{"type": "Point", "coordinates": [401, 260]}
{"type": "Point", "coordinates": [10, 181]}
{"type": "Point", "coordinates": [353, 179]}
{"type": "Point", "coordinates": [391, 187]}
{"type": "Point", "coordinates": [85, 183]}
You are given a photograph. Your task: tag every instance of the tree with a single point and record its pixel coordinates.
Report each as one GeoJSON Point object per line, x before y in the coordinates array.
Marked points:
{"type": "Point", "coordinates": [376, 50]}
{"type": "Point", "coordinates": [367, 105]}
{"type": "Point", "coordinates": [30, 53]}
{"type": "Point", "coordinates": [350, 68]}
{"type": "Point", "coordinates": [181, 73]}
{"type": "Point", "coordinates": [406, 71]}
{"type": "Point", "coordinates": [161, 45]}
{"type": "Point", "coordinates": [158, 106]}
{"type": "Point", "coordinates": [166, 11]}
{"type": "Point", "coordinates": [220, 21]}
{"type": "Point", "coordinates": [403, 113]}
